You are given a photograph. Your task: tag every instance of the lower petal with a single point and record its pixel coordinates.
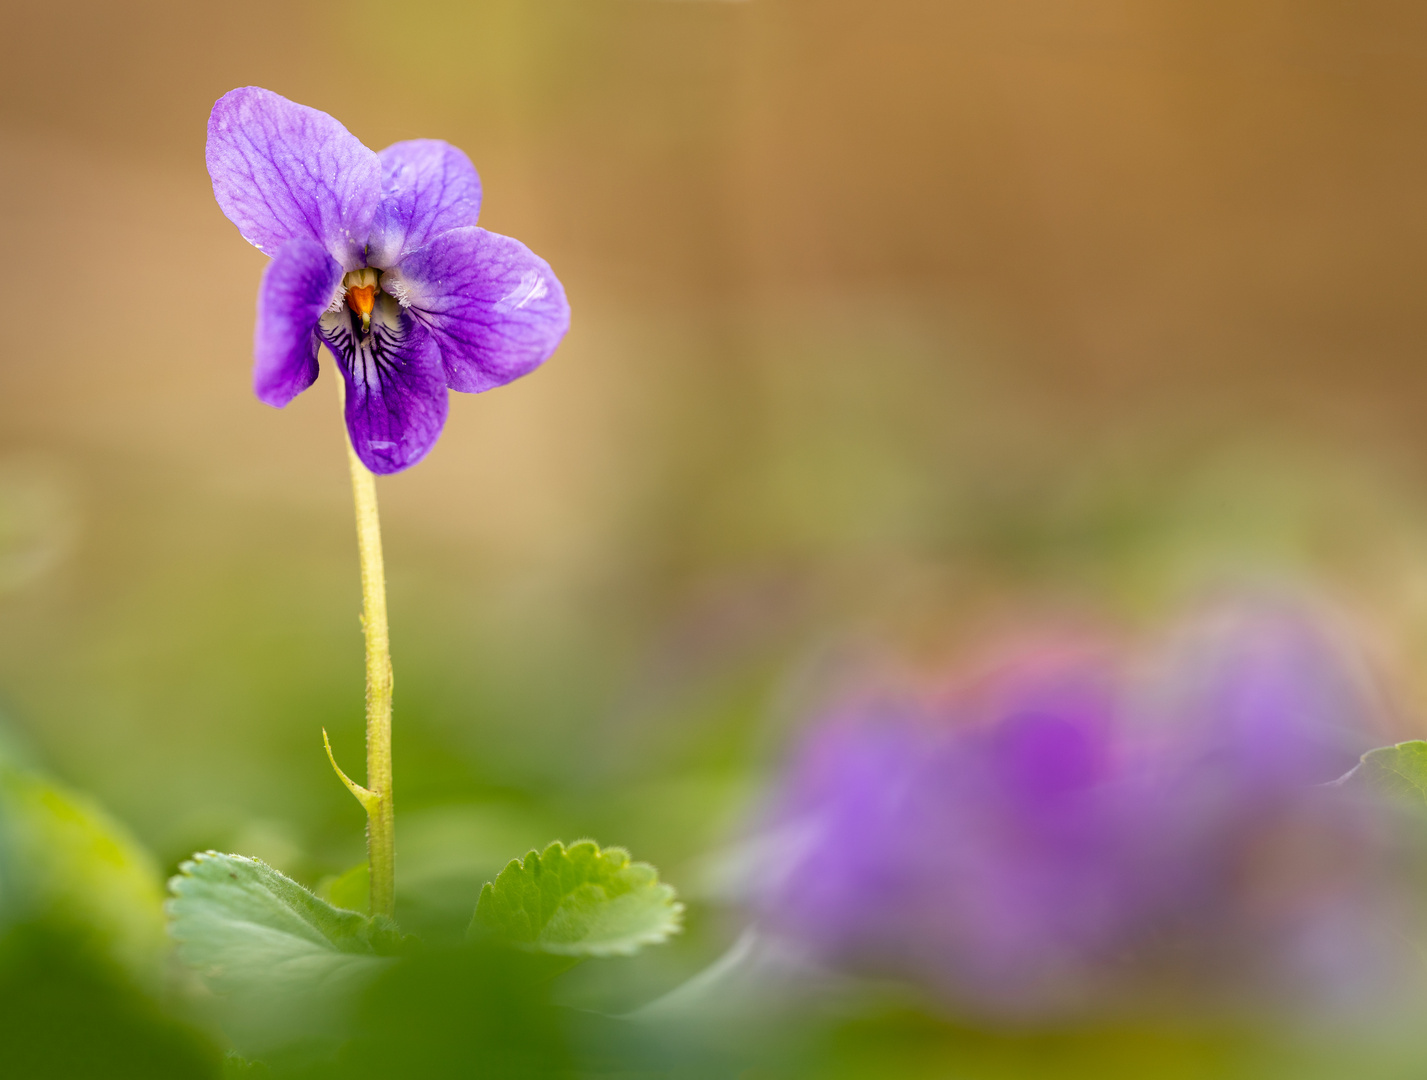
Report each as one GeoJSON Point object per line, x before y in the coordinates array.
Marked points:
{"type": "Point", "coordinates": [396, 389]}
{"type": "Point", "coordinates": [497, 309]}
{"type": "Point", "coordinates": [297, 287]}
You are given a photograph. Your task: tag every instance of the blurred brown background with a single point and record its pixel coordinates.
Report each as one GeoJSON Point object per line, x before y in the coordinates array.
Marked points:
{"type": "Point", "coordinates": [889, 319]}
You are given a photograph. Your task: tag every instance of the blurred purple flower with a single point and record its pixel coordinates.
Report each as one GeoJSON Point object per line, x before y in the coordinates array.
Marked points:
{"type": "Point", "coordinates": [378, 256]}
{"type": "Point", "coordinates": [1065, 835]}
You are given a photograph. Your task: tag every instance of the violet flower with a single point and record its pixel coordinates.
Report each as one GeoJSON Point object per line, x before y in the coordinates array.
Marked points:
{"type": "Point", "coordinates": [1064, 836]}
{"type": "Point", "coordinates": [378, 256]}
{"type": "Point", "coordinates": [982, 853]}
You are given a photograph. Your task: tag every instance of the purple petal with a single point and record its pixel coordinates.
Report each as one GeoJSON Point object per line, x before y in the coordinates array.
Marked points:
{"type": "Point", "coordinates": [296, 288]}
{"type": "Point", "coordinates": [496, 309]}
{"type": "Point", "coordinates": [428, 187]}
{"type": "Point", "coordinates": [1267, 689]}
{"type": "Point", "coordinates": [282, 171]}
{"type": "Point", "coordinates": [396, 390]}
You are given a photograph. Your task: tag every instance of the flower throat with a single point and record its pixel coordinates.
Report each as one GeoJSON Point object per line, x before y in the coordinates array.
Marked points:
{"type": "Point", "coordinates": [360, 291]}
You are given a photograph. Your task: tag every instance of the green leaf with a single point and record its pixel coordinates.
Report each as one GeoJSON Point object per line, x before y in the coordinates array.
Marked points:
{"type": "Point", "coordinates": [579, 901]}
{"type": "Point", "coordinates": [66, 863]}
{"type": "Point", "coordinates": [351, 889]}
{"type": "Point", "coordinates": [282, 964]}
{"type": "Point", "coordinates": [1397, 771]}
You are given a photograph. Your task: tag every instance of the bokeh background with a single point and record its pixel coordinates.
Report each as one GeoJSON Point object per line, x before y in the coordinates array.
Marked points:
{"type": "Point", "coordinates": [897, 326]}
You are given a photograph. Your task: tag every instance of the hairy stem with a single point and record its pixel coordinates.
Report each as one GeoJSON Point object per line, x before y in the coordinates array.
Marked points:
{"type": "Point", "coordinates": [381, 836]}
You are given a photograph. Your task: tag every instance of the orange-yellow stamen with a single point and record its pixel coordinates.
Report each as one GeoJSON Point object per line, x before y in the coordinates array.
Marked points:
{"type": "Point", "coordinates": [360, 291]}
{"type": "Point", "coordinates": [361, 299]}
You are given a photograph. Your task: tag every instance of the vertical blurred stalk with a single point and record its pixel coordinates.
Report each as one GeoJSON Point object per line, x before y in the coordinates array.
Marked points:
{"type": "Point", "coordinates": [381, 836]}
{"type": "Point", "coordinates": [376, 796]}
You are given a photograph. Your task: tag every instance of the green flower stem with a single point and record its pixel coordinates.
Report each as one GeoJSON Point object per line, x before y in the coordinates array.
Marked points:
{"type": "Point", "coordinates": [381, 819]}
{"type": "Point", "coordinates": [376, 796]}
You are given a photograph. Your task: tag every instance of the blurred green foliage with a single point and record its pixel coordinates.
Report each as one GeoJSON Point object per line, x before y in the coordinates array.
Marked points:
{"type": "Point", "coordinates": [84, 988]}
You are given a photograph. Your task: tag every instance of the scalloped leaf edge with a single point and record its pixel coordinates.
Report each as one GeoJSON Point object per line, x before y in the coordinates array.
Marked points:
{"type": "Point", "coordinates": [620, 887]}
{"type": "Point", "coordinates": [309, 917]}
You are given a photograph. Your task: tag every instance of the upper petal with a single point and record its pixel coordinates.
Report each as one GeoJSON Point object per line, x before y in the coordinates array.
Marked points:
{"type": "Point", "coordinates": [428, 187]}
{"type": "Point", "coordinates": [496, 309]}
{"type": "Point", "coordinates": [282, 171]}
{"type": "Point", "coordinates": [297, 287]}
{"type": "Point", "coordinates": [396, 390]}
